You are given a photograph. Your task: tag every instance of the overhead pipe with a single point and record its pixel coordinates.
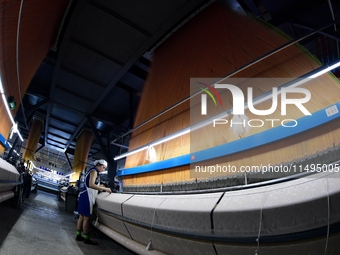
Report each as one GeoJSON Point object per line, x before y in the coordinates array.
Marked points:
{"type": "Point", "coordinates": [97, 136]}
{"type": "Point", "coordinates": [68, 160]}
{"type": "Point", "coordinates": [335, 28]}
{"type": "Point", "coordinates": [17, 60]}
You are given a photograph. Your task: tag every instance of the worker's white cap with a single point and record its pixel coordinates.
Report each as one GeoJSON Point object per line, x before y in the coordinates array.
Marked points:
{"type": "Point", "coordinates": [100, 162]}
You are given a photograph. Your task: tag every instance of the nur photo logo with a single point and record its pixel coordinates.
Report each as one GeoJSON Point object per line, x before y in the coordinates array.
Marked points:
{"type": "Point", "coordinates": [289, 95]}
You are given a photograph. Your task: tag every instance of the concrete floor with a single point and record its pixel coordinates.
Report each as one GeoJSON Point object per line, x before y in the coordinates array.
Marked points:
{"type": "Point", "coordinates": [42, 226]}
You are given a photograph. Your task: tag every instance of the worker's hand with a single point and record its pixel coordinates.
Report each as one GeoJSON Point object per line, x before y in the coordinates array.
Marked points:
{"type": "Point", "coordinates": [108, 190]}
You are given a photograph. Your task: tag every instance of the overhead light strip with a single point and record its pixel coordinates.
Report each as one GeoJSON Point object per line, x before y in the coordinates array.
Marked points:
{"type": "Point", "coordinates": [325, 70]}
{"type": "Point", "coordinates": [8, 110]}
{"type": "Point", "coordinates": [303, 79]}
{"type": "Point", "coordinates": [157, 142]}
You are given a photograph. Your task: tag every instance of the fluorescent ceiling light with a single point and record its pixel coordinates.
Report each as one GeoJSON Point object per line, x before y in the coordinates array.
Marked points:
{"type": "Point", "coordinates": [259, 99]}
{"type": "Point", "coordinates": [170, 137]}
{"type": "Point", "coordinates": [300, 81]}
{"type": "Point", "coordinates": [131, 152]}
{"type": "Point", "coordinates": [325, 70]}
{"type": "Point", "coordinates": [9, 112]}
{"type": "Point", "coordinates": [157, 142]}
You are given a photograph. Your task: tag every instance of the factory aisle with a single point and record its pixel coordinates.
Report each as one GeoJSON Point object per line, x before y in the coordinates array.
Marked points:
{"type": "Point", "coordinates": [42, 226]}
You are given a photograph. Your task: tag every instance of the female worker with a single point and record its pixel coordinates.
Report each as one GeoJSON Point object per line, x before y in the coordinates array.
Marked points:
{"type": "Point", "coordinates": [86, 200]}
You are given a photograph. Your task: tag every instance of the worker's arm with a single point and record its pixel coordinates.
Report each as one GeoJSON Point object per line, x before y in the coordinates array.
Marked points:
{"type": "Point", "coordinates": [93, 185]}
